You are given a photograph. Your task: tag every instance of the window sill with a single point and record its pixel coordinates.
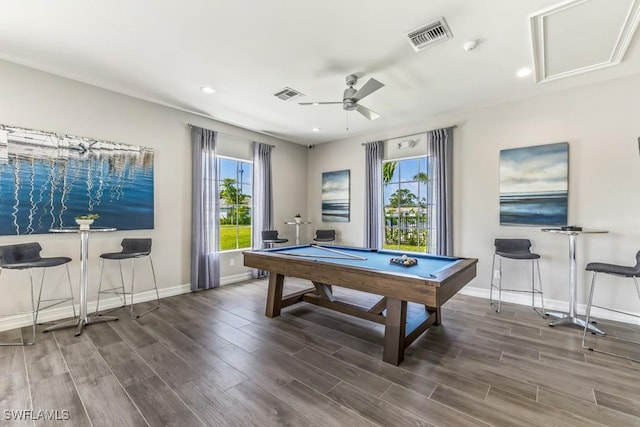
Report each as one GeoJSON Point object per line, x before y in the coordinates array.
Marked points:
{"type": "Point", "coordinates": [231, 251]}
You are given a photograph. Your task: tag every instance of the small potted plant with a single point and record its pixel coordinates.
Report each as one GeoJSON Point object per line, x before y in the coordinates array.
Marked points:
{"type": "Point", "coordinates": [297, 218]}
{"type": "Point", "coordinates": [84, 221]}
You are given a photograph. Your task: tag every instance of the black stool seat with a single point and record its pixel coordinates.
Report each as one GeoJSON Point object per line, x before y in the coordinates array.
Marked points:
{"type": "Point", "coordinates": [42, 262]}
{"type": "Point", "coordinates": [27, 255]}
{"type": "Point", "coordinates": [131, 248]}
{"type": "Point", "coordinates": [325, 236]}
{"type": "Point", "coordinates": [515, 249]}
{"type": "Point", "coordinates": [123, 255]}
{"type": "Point", "coordinates": [632, 272]}
{"type": "Point", "coordinates": [518, 255]}
{"type": "Point", "coordinates": [275, 240]}
{"type": "Point", "coordinates": [270, 237]}
{"type": "Point", "coordinates": [618, 270]}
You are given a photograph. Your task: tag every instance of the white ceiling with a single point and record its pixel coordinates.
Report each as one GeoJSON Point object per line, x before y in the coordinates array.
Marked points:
{"type": "Point", "coordinates": [164, 51]}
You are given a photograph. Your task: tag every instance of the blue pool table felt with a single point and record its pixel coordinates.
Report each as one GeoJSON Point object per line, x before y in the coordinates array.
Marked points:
{"type": "Point", "coordinates": [428, 265]}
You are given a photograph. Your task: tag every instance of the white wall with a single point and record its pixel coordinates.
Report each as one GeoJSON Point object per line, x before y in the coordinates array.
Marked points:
{"type": "Point", "coordinates": [601, 124]}
{"type": "Point", "coordinates": [335, 157]}
{"type": "Point", "coordinates": [289, 182]}
{"type": "Point", "coordinates": [38, 100]}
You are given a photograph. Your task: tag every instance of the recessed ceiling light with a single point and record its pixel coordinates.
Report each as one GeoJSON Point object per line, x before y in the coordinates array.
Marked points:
{"type": "Point", "coordinates": [523, 72]}
{"type": "Point", "coordinates": [315, 103]}
{"type": "Point", "coordinates": [208, 90]}
{"type": "Point", "coordinates": [316, 129]}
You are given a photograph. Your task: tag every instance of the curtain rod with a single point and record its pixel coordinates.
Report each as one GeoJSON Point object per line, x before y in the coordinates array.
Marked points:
{"type": "Point", "coordinates": [233, 136]}
{"type": "Point", "coordinates": [416, 133]}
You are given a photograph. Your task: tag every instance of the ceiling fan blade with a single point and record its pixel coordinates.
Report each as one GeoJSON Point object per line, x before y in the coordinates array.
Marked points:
{"type": "Point", "coordinates": [318, 103]}
{"type": "Point", "coordinates": [369, 87]}
{"type": "Point", "coordinates": [369, 114]}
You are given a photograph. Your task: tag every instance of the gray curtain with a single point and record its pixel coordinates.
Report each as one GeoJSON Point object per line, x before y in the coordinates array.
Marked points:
{"type": "Point", "coordinates": [373, 199]}
{"type": "Point", "coordinates": [262, 215]}
{"type": "Point", "coordinates": [205, 215]}
{"type": "Point", "coordinates": [440, 146]}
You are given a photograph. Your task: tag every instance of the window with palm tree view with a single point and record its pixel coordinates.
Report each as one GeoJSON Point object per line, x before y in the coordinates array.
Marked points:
{"type": "Point", "coordinates": [408, 208]}
{"type": "Point", "coordinates": [234, 181]}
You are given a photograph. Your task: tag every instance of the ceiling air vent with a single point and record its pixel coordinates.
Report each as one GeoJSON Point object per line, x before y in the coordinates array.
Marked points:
{"type": "Point", "coordinates": [287, 94]}
{"type": "Point", "coordinates": [429, 34]}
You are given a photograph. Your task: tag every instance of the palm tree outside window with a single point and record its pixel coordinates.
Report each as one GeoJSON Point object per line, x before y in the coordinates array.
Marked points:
{"type": "Point", "coordinates": [408, 207]}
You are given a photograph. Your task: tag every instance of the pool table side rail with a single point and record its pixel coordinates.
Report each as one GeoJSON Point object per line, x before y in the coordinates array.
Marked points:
{"type": "Point", "coordinates": [451, 284]}
{"type": "Point", "coordinates": [406, 287]}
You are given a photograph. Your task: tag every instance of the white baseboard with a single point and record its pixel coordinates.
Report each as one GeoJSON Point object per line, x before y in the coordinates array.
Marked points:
{"type": "Point", "coordinates": [64, 312]}
{"type": "Point", "coordinates": [57, 313]}
{"type": "Point", "coordinates": [235, 278]}
{"type": "Point", "coordinates": [551, 305]}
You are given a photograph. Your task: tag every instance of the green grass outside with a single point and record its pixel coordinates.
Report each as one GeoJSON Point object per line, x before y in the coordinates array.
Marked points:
{"type": "Point", "coordinates": [229, 234]}
{"type": "Point", "coordinates": [395, 247]}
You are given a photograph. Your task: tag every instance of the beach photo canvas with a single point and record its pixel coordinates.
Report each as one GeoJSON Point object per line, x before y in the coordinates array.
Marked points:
{"type": "Point", "coordinates": [335, 196]}
{"type": "Point", "coordinates": [534, 185]}
{"type": "Point", "coordinates": [47, 179]}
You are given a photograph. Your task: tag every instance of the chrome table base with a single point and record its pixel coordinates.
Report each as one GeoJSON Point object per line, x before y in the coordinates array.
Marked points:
{"type": "Point", "coordinates": [80, 323]}
{"type": "Point", "coordinates": [571, 318]}
{"type": "Point", "coordinates": [566, 320]}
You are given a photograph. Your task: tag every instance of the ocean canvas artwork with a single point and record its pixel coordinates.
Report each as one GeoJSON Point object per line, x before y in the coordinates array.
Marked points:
{"type": "Point", "coordinates": [47, 179]}
{"type": "Point", "coordinates": [534, 185]}
{"type": "Point", "coordinates": [335, 196]}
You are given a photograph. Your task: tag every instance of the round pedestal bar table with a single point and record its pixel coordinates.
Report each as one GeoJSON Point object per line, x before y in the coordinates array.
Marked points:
{"type": "Point", "coordinates": [83, 319]}
{"type": "Point", "coordinates": [297, 224]}
{"type": "Point", "coordinates": [571, 318]}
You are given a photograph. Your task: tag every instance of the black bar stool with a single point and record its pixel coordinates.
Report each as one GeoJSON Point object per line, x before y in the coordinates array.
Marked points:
{"type": "Point", "coordinates": [519, 250]}
{"type": "Point", "coordinates": [131, 249]}
{"type": "Point", "coordinates": [632, 272]}
{"type": "Point", "coordinates": [270, 237]}
{"type": "Point", "coordinates": [325, 236]}
{"type": "Point", "coordinates": [26, 256]}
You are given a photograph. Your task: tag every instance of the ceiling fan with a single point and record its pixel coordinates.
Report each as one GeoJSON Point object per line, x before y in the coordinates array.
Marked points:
{"type": "Point", "coordinates": [352, 96]}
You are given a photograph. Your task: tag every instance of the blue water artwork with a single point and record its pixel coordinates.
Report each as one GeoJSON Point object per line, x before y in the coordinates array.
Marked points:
{"type": "Point", "coordinates": [534, 185]}
{"type": "Point", "coordinates": [48, 179]}
{"type": "Point", "coordinates": [335, 196]}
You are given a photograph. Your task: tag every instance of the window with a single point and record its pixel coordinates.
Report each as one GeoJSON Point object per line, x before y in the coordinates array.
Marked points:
{"type": "Point", "coordinates": [234, 183]}
{"type": "Point", "coordinates": [408, 205]}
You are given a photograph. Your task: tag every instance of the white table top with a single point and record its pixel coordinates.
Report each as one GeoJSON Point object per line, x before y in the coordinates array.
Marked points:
{"type": "Point", "coordinates": [297, 222]}
{"type": "Point", "coordinates": [569, 232]}
{"type": "Point", "coordinates": [77, 229]}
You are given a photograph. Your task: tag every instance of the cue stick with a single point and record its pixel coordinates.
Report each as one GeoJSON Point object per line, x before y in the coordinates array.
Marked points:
{"type": "Point", "coordinates": [320, 256]}
{"type": "Point", "coordinates": [338, 252]}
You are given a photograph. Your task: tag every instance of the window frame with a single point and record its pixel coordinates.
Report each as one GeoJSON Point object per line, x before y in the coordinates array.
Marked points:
{"type": "Point", "coordinates": [427, 245]}
{"type": "Point", "coordinates": [218, 182]}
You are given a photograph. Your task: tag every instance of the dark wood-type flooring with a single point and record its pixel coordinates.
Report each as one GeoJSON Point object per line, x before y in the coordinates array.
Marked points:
{"type": "Point", "coordinates": [213, 358]}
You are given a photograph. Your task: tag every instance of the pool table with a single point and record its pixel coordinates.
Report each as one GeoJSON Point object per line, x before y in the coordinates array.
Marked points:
{"type": "Point", "coordinates": [430, 282]}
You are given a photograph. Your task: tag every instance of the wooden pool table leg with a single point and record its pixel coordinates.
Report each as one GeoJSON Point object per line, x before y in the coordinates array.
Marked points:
{"type": "Point", "coordinates": [438, 313]}
{"type": "Point", "coordinates": [394, 331]}
{"type": "Point", "coordinates": [274, 295]}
